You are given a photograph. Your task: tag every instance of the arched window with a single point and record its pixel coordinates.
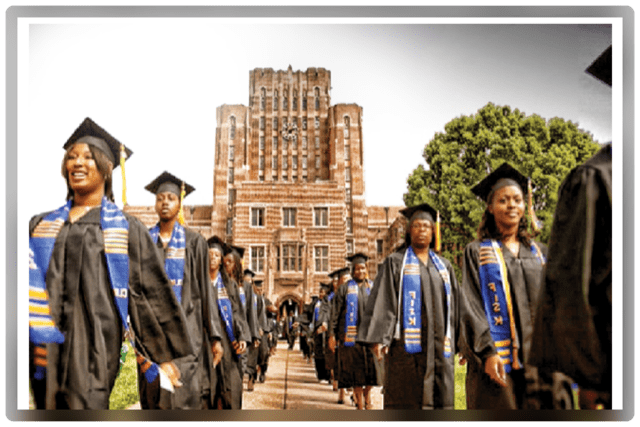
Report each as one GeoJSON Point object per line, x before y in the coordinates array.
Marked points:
{"type": "Point", "coordinates": [347, 124]}
{"type": "Point", "coordinates": [263, 97]}
{"type": "Point", "coordinates": [232, 127]}
{"type": "Point", "coordinates": [317, 96]}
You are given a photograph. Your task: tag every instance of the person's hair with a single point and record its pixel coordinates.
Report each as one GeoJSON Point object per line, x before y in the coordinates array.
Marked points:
{"type": "Point", "coordinates": [489, 230]}
{"type": "Point", "coordinates": [237, 268]}
{"type": "Point", "coordinates": [103, 164]}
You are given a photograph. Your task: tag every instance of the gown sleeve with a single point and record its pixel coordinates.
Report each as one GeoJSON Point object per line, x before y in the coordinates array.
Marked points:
{"type": "Point", "coordinates": [156, 317]}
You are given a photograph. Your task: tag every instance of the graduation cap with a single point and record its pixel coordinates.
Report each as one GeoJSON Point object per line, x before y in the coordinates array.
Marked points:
{"type": "Point", "coordinates": [424, 211]}
{"type": "Point", "coordinates": [601, 67]}
{"type": "Point", "coordinates": [168, 182]}
{"type": "Point", "coordinates": [235, 249]}
{"type": "Point", "coordinates": [325, 286]}
{"type": "Point", "coordinates": [90, 133]}
{"type": "Point", "coordinates": [248, 272]}
{"type": "Point", "coordinates": [216, 242]}
{"type": "Point", "coordinates": [339, 272]}
{"type": "Point", "coordinates": [504, 176]}
{"type": "Point", "coordinates": [358, 258]}
{"type": "Point", "coordinates": [258, 283]}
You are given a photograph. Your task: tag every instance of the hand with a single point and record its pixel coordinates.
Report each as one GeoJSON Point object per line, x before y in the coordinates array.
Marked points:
{"type": "Point", "coordinates": [495, 369]}
{"type": "Point", "coordinates": [321, 329]}
{"type": "Point", "coordinates": [332, 344]}
{"type": "Point", "coordinates": [172, 372]}
{"type": "Point", "coordinates": [242, 347]}
{"type": "Point", "coordinates": [379, 351]}
{"type": "Point", "coordinates": [256, 342]}
{"type": "Point", "coordinates": [218, 352]}
{"type": "Point", "coordinates": [461, 360]}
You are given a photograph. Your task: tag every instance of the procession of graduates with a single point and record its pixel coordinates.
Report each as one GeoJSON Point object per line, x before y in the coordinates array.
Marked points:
{"type": "Point", "coordinates": [532, 323]}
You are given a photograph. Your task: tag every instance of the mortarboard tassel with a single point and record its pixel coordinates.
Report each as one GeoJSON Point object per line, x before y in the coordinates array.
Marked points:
{"type": "Point", "coordinates": [123, 157]}
{"type": "Point", "coordinates": [181, 213]}
{"type": "Point", "coordinates": [536, 225]}
{"type": "Point", "coordinates": [438, 243]}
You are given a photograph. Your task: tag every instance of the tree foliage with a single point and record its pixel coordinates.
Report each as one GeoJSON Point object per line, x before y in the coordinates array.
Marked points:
{"type": "Point", "coordinates": [472, 146]}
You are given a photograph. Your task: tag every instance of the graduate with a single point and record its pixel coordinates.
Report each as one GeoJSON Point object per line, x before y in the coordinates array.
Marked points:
{"type": "Point", "coordinates": [338, 278]}
{"type": "Point", "coordinates": [355, 362]}
{"type": "Point", "coordinates": [249, 303]}
{"type": "Point", "coordinates": [572, 334]}
{"type": "Point", "coordinates": [320, 334]}
{"type": "Point", "coordinates": [186, 262]}
{"type": "Point", "coordinates": [416, 318]}
{"type": "Point", "coordinates": [94, 275]}
{"type": "Point", "coordinates": [501, 275]}
{"type": "Point", "coordinates": [228, 394]}
{"type": "Point", "coordinates": [263, 308]}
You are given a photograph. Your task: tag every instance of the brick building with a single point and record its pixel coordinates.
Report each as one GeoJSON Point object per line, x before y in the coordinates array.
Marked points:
{"type": "Point", "coordinates": [289, 185]}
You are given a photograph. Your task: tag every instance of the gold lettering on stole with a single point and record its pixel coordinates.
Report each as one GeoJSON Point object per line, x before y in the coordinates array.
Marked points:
{"type": "Point", "coordinates": [412, 321]}
{"type": "Point", "coordinates": [492, 286]}
{"type": "Point", "coordinates": [498, 320]}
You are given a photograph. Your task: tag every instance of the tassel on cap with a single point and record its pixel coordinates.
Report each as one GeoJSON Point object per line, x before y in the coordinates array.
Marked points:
{"type": "Point", "coordinates": [536, 225]}
{"type": "Point", "coordinates": [123, 157]}
{"type": "Point", "coordinates": [181, 219]}
{"type": "Point", "coordinates": [438, 239]}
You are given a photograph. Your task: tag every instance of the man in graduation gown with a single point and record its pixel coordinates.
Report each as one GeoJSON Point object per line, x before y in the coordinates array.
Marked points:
{"type": "Point", "coordinates": [572, 334]}
{"type": "Point", "coordinates": [292, 329]}
{"type": "Point", "coordinates": [415, 318]}
{"type": "Point", "coordinates": [320, 334]}
{"type": "Point", "coordinates": [185, 255]}
{"type": "Point", "coordinates": [264, 308]}
{"type": "Point", "coordinates": [88, 301]}
{"type": "Point", "coordinates": [249, 303]}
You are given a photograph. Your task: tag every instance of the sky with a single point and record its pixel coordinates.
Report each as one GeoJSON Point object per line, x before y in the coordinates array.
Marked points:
{"type": "Point", "coordinates": [155, 85]}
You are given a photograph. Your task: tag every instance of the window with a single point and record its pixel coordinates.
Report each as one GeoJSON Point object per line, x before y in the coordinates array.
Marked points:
{"type": "Point", "coordinates": [275, 143]}
{"type": "Point", "coordinates": [321, 217]}
{"type": "Point", "coordinates": [232, 196]}
{"type": "Point", "coordinates": [379, 246]}
{"type": "Point", "coordinates": [294, 163]}
{"type": "Point", "coordinates": [295, 100]}
{"type": "Point", "coordinates": [285, 144]}
{"type": "Point", "coordinates": [317, 98]}
{"type": "Point", "coordinates": [347, 153]}
{"type": "Point", "coordinates": [347, 195]}
{"type": "Point", "coordinates": [257, 217]}
{"type": "Point", "coordinates": [263, 95]}
{"type": "Point", "coordinates": [317, 122]}
{"type": "Point", "coordinates": [288, 217]}
{"type": "Point", "coordinates": [261, 163]}
{"type": "Point", "coordinates": [285, 162]}
{"type": "Point", "coordinates": [275, 123]}
{"type": "Point", "coordinates": [304, 123]}
{"type": "Point", "coordinates": [317, 142]}
{"type": "Point", "coordinates": [317, 162]}
{"type": "Point", "coordinates": [322, 258]}
{"type": "Point", "coordinates": [284, 122]}
{"type": "Point", "coordinates": [347, 124]}
{"type": "Point", "coordinates": [232, 127]}
{"type": "Point", "coordinates": [289, 252]}
{"type": "Point", "coordinates": [304, 162]}
{"type": "Point", "coordinates": [257, 259]}
{"type": "Point", "coordinates": [261, 123]}
{"type": "Point", "coordinates": [285, 103]}
{"type": "Point", "coordinates": [349, 247]}
{"type": "Point", "coordinates": [261, 142]}
{"type": "Point", "coordinates": [304, 103]}
{"type": "Point", "coordinates": [229, 225]}
{"type": "Point", "coordinates": [230, 175]}
{"type": "Point", "coordinates": [231, 152]}
{"type": "Point", "coordinates": [349, 225]}
{"type": "Point", "coordinates": [275, 100]}
{"type": "Point", "coordinates": [277, 258]}
{"type": "Point", "coordinates": [285, 177]}
{"type": "Point", "coordinates": [347, 174]}
{"type": "Point", "coordinates": [274, 162]}
{"type": "Point", "coordinates": [304, 142]}
{"type": "Point", "coordinates": [294, 142]}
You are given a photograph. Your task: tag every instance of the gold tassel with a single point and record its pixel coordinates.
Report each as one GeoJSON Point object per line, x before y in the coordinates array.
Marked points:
{"type": "Point", "coordinates": [181, 213]}
{"type": "Point", "coordinates": [536, 225]}
{"type": "Point", "coordinates": [438, 242]}
{"type": "Point", "coordinates": [123, 157]}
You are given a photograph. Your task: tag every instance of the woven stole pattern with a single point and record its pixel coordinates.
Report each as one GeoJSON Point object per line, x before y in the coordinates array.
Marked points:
{"type": "Point", "coordinates": [351, 329]}
{"type": "Point", "coordinates": [224, 305]}
{"type": "Point", "coordinates": [498, 303]}
{"type": "Point", "coordinates": [411, 302]}
{"type": "Point", "coordinates": [442, 270]}
{"type": "Point", "coordinates": [174, 259]}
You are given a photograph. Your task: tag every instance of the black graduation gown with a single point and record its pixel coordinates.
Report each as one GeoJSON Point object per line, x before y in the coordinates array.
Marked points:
{"type": "Point", "coordinates": [524, 275]}
{"type": "Point", "coordinates": [251, 312]}
{"type": "Point", "coordinates": [267, 328]}
{"type": "Point", "coordinates": [261, 333]}
{"type": "Point", "coordinates": [82, 371]}
{"type": "Point", "coordinates": [423, 380]}
{"type": "Point", "coordinates": [194, 369]}
{"type": "Point", "coordinates": [355, 365]}
{"type": "Point", "coordinates": [319, 344]}
{"type": "Point", "coordinates": [573, 328]}
{"type": "Point", "coordinates": [229, 371]}
{"type": "Point", "coordinates": [325, 312]}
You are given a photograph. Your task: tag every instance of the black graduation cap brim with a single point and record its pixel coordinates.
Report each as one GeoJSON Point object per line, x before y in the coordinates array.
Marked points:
{"type": "Point", "coordinates": [104, 142]}
{"type": "Point", "coordinates": [339, 272]}
{"type": "Point", "coordinates": [238, 250]}
{"type": "Point", "coordinates": [425, 207]}
{"type": "Point", "coordinates": [166, 177]}
{"type": "Point", "coordinates": [258, 283]}
{"type": "Point", "coordinates": [358, 257]}
{"type": "Point", "coordinates": [485, 187]}
{"type": "Point", "coordinates": [601, 67]}
{"type": "Point", "coordinates": [249, 272]}
{"type": "Point", "coordinates": [325, 286]}
{"type": "Point", "coordinates": [216, 241]}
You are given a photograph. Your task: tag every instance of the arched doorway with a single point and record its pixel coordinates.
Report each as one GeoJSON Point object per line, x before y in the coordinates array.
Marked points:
{"type": "Point", "coordinates": [287, 304]}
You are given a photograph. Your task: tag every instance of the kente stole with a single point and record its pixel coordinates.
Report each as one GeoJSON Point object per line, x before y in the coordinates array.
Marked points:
{"type": "Point", "coordinates": [498, 302]}
{"type": "Point", "coordinates": [174, 257]}
{"type": "Point", "coordinates": [351, 329]}
{"type": "Point", "coordinates": [442, 270]}
{"type": "Point", "coordinates": [224, 305]}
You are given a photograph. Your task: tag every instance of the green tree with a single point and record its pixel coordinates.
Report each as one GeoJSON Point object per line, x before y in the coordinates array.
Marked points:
{"type": "Point", "coordinates": [472, 146]}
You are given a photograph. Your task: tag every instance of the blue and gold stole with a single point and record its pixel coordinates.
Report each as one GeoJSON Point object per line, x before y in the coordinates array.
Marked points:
{"type": "Point", "coordinates": [351, 329]}
{"type": "Point", "coordinates": [243, 299]}
{"type": "Point", "coordinates": [442, 270]}
{"type": "Point", "coordinates": [224, 305]}
{"type": "Point", "coordinates": [174, 258]}
{"type": "Point", "coordinates": [498, 302]}
{"type": "Point", "coordinates": [410, 299]}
